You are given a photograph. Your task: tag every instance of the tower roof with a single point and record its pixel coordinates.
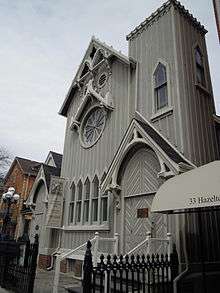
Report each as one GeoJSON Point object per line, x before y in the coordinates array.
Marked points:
{"type": "Point", "coordinates": [159, 12]}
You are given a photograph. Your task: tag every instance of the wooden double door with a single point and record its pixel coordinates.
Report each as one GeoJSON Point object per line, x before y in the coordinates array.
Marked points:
{"type": "Point", "coordinates": [139, 184]}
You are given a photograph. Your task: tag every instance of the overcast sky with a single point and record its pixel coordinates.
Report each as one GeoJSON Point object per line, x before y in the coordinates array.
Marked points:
{"type": "Point", "coordinates": [42, 44]}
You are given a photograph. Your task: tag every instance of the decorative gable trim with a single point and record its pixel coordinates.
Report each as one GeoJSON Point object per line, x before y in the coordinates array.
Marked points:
{"type": "Point", "coordinates": [40, 177]}
{"type": "Point", "coordinates": [109, 53]}
{"type": "Point", "coordinates": [50, 157]}
{"type": "Point", "coordinates": [136, 134]}
{"type": "Point", "coordinates": [106, 102]}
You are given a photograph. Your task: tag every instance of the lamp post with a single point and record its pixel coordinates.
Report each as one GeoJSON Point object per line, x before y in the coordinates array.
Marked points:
{"type": "Point", "coordinates": [9, 197]}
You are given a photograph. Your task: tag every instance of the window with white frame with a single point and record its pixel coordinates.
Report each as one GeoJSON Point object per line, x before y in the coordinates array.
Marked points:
{"type": "Point", "coordinates": [79, 202]}
{"type": "Point", "coordinates": [200, 71]}
{"type": "Point", "coordinates": [72, 203]}
{"type": "Point", "coordinates": [160, 87]}
{"type": "Point", "coordinates": [87, 205]}
{"type": "Point", "coordinates": [95, 199]}
{"type": "Point", "coordinates": [86, 201]}
{"type": "Point", "coordinates": [104, 203]}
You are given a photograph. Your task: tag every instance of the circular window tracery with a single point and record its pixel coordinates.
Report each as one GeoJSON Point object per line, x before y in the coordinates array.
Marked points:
{"type": "Point", "coordinates": [93, 126]}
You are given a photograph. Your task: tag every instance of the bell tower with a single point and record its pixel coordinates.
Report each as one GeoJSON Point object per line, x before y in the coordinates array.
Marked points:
{"type": "Point", "coordinates": [172, 86]}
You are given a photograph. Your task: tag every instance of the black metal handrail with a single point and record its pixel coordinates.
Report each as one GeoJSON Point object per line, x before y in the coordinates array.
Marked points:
{"type": "Point", "coordinates": [153, 273]}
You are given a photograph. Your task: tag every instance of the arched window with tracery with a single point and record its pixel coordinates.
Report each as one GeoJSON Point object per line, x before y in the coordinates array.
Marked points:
{"type": "Point", "coordinates": [72, 203]}
{"type": "Point", "coordinates": [79, 202]}
{"type": "Point", "coordinates": [86, 201]}
{"type": "Point", "coordinates": [95, 199]}
{"type": "Point", "coordinates": [104, 203]}
{"type": "Point", "coordinates": [160, 87]}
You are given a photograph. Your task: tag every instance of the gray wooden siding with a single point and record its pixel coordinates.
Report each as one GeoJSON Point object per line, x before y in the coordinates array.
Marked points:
{"type": "Point", "coordinates": [197, 106]}
{"type": "Point", "coordinates": [153, 45]}
{"type": "Point", "coordinates": [190, 127]}
{"type": "Point", "coordinates": [78, 163]}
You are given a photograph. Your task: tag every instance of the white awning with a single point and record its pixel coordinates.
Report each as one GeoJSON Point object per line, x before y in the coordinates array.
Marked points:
{"type": "Point", "coordinates": [197, 188]}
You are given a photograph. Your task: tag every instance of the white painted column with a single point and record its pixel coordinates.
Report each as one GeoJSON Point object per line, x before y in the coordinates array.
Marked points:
{"type": "Point", "coordinates": [96, 246]}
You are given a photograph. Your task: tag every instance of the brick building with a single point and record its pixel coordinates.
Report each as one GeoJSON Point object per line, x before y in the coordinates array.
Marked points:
{"type": "Point", "coordinates": [21, 176]}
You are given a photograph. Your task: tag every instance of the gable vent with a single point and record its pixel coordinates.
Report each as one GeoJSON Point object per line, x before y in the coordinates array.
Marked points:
{"type": "Point", "coordinates": [102, 79]}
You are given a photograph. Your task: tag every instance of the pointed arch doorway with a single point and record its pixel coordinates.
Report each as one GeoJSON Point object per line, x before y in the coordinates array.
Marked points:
{"type": "Point", "coordinates": [138, 178]}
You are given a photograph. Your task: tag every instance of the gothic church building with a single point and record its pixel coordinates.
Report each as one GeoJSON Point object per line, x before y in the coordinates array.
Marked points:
{"type": "Point", "coordinates": [133, 122]}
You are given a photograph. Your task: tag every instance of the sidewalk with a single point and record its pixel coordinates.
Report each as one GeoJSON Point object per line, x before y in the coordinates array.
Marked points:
{"type": "Point", "coordinates": [44, 282]}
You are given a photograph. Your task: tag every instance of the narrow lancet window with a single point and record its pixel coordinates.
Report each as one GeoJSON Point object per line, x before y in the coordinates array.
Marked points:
{"type": "Point", "coordinates": [160, 87]}
{"type": "Point", "coordinates": [72, 203]}
{"type": "Point", "coordinates": [104, 203]}
{"type": "Point", "coordinates": [86, 201]}
{"type": "Point", "coordinates": [95, 197]}
{"type": "Point", "coordinates": [79, 202]}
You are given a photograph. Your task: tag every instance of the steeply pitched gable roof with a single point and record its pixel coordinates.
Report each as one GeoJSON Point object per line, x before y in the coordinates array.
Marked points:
{"type": "Point", "coordinates": [48, 172]}
{"type": "Point", "coordinates": [165, 146]}
{"type": "Point", "coordinates": [57, 159]}
{"type": "Point", "coordinates": [147, 134]}
{"type": "Point", "coordinates": [160, 11]}
{"type": "Point", "coordinates": [27, 166]}
{"type": "Point", "coordinates": [111, 53]}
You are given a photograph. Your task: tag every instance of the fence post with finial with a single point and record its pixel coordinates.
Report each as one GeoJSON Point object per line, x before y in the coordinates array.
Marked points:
{"type": "Point", "coordinates": [174, 260]}
{"type": "Point", "coordinates": [87, 269]}
{"type": "Point", "coordinates": [169, 246]}
{"type": "Point", "coordinates": [96, 247]}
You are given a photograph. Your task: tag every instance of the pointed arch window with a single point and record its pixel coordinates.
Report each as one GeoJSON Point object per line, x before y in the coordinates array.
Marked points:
{"type": "Point", "coordinates": [104, 203]}
{"type": "Point", "coordinates": [79, 202]}
{"type": "Point", "coordinates": [86, 201]}
{"type": "Point", "coordinates": [200, 71]}
{"type": "Point", "coordinates": [160, 87]}
{"type": "Point", "coordinates": [95, 198]}
{"type": "Point", "coordinates": [87, 205]}
{"type": "Point", "coordinates": [72, 203]}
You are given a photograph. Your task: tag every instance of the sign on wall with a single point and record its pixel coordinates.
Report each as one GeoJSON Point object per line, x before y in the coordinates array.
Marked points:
{"type": "Point", "coordinates": [142, 213]}
{"type": "Point", "coordinates": [55, 202]}
{"type": "Point", "coordinates": [197, 188]}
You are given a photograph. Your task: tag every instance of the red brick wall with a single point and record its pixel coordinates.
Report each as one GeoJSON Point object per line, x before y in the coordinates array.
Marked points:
{"type": "Point", "coordinates": [63, 266]}
{"type": "Point", "coordinates": [44, 261]}
{"type": "Point", "coordinates": [22, 184]}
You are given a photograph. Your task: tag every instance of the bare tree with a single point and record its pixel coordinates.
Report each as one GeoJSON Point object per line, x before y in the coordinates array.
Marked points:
{"type": "Point", "coordinates": [5, 161]}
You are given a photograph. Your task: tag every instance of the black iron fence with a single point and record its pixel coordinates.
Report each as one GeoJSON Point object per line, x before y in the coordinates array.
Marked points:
{"type": "Point", "coordinates": [18, 262]}
{"type": "Point", "coordinates": [141, 274]}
